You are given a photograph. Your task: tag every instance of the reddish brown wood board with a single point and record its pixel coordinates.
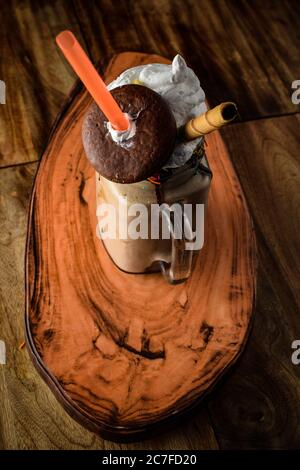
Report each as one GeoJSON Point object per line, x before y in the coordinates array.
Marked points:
{"type": "Point", "coordinates": [124, 353]}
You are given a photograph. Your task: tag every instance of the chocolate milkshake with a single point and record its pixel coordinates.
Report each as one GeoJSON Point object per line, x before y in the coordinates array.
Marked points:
{"type": "Point", "coordinates": [149, 164]}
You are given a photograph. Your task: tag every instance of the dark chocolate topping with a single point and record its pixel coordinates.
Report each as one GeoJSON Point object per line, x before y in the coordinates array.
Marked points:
{"type": "Point", "coordinates": [142, 155]}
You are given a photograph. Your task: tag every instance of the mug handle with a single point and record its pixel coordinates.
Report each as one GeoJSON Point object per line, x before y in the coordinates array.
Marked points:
{"type": "Point", "coordinates": [181, 258]}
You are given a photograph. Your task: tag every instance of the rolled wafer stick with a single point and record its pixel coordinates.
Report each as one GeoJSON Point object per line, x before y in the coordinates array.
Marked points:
{"type": "Point", "coordinates": [210, 121]}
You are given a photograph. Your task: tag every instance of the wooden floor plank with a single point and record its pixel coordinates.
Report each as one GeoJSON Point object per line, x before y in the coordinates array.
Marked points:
{"type": "Point", "coordinates": [228, 44]}
{"type": "Point", "coordinates": [107, 27]}
{"type": "Point", "coordinates": [259, 405]}
{"type": "Point", "coordinates": [266, 156]}
{"type": "Point", "coordinates": [242, 51]}
{"type": "Point", "coordinates": [37, 76]}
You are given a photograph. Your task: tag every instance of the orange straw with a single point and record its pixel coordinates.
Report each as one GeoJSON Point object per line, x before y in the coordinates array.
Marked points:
{"type": "Point", "coordinates": [87, 73]}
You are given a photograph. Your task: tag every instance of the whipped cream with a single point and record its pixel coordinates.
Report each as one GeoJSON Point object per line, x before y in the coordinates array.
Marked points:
{"type": "Point", "coordinates": [123, 138]}
{"type": "Point", "coordinates": [180, 87]}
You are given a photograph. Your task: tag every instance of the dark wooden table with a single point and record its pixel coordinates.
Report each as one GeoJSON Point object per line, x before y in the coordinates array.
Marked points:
{"type": "Point", "coordinates": [245, 51]}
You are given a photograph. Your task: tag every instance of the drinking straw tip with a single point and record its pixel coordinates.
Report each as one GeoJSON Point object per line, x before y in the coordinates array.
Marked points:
{"type": "Point", "coordinates": [65, 39]}
{"type": "Point", "coordinates": [89, 76]}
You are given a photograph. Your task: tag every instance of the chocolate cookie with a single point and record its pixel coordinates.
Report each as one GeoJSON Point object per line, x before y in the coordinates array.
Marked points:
{"type": "Point", "coordinates": [143, 154]}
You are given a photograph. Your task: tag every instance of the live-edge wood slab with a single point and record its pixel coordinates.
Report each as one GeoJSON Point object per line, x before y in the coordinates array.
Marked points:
{"type": "Point", "coordinates": [126, 353]}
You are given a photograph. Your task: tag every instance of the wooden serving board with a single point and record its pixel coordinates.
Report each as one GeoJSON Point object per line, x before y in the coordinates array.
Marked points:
{"type": "Point", "coordinates": [125, 353]}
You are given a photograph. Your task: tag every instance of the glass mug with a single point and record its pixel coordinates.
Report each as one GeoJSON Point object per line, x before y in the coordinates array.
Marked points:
{"type": "Point", "coordinates": [186, 185]}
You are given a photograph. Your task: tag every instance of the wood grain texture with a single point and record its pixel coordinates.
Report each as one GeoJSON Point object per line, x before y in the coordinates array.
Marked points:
{"type": "Point", "coordinates": [258, 407]}
{"type": "Point", "coordinates": [36, 75]}
{"type": "Point", "coordinates": [270, 163]}
{"type": "Point", "coordinates": [30, 417]}
{"type": "Point", "coordinates": [120, 359]}
{"type": "Point", "coordinates": [242, 51]}
{"type": "Point", "coordinates": [274, 172]}
{"type": "Point", "coordinates": [249, 46]}
{"type": "Point", "coordinates": [107, 27]}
